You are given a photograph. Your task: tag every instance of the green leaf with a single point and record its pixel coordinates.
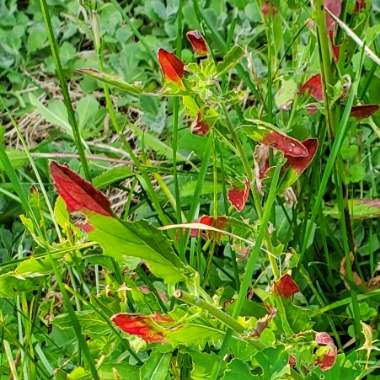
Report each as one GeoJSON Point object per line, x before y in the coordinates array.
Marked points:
{"type": "Point", "coordinates": [273, 362]}
{"type": "Point", "coordinates": [155, 144]}
{"type": "Point", "coordinates": [230, 60]}
{"type": "Point", "coordinates": [203, 365]}
{"type": "Point", "coordinates": [55, 114]}
{"type": "Point", "coordinates": [286, 94]}
{"type": "Point", "coordinates": [139, 240]}
{"type": "Point", "coordinates": [86, 110]}
{"type": "Point", "coordinates": [156, 367]}
{"type": "Point", "coordinates": [17, 157]}
{"type": "Point", "coordinates": [124, 370]}
{"type": "Point", "coordinates": [359, 209]}
{"type": "Point", "coordinates": [112, 175]}
{"type": "Point", "coordinates": [112, 81]}
{"type": "Point", "coordinates": [237, 369]}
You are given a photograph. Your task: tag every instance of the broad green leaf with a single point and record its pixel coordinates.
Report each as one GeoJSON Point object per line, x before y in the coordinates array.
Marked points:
{"type": "Point", "coordinates": [156, 367]}
{"type": "Point", "coordinates": [230, 60]}
{"type": "Point", "coordinates": [203, 364]}
{"type": "Point", "coordinates": [108, 371]}
{"type": "Point", "coordinates": [112, 175]}
{"type": "Point", "coordinates": [273, 362]}
{"type": "Point", "coordinates": [12, 283]}
{"type": "Point", "coordinates": [112, 80]}
{"type": "Point", "coordinates": [139, 240]}
{"type": "Point", "coordinates": [17, 157]}
{"type": "Point", "coordinates": [86, 110]}
{"type": "Point", "coordinates": [359, 209]}
{"type": "Point", "coordinates": [237, 369]}
{"type": "Point", "coordinates": [55, 115]}
{"type": "Point", "coordinates": [286, 94]}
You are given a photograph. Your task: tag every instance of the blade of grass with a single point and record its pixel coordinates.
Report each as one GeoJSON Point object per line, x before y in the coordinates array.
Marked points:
{"type": "Point", "coordinates": [65, 92]}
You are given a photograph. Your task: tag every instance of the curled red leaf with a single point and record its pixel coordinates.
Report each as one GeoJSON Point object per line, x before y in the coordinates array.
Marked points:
{"type": "Point", "coordinates": [327, 359]}
{"type": "Point", "coordinates": [78, 194]}
{"type": "Point", "coordinates": [261, 163]}
{"type": "Point", "coordinates": [300, 164]}
{"type": "Point", "coordinates": [313, 87]}
{"type": "Point", "coordinates": [288, 145]}
{"type": "Point", "coordinates": [172, 67]}
{"type": "Point", "coordinates": [198, 43]}
{"type": "Point", "coordinates": [199, 126]}
{"type": "Point", "coordinates": [335, 48]}
{"type": "Point", "coordinates": [238, 197]}
{"type": "Point", "coordinates": [146, 327]}
{"type": "Point", "coordinates": [286, 286]}
{"type": "Point", "coordinates": [364, 110]}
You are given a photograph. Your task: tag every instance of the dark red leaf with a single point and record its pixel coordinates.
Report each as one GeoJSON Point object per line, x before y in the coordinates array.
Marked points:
{"type": "Point", "coordinates": [145, 327]}
{"type": "Point", "coordinates": [335, 48]}
{"type": "Point", "coordinates": [171, 66]}
{"type": "Point", "coordinates": [268, 9]}
{"type": "Point", "coordinates": [199, 127]}
{"type": "Point", "coordinates": [359, 6]}
{"type": "Point", "coordinates": [78, 194]}
{"type": "Point", "coordinates": [328, 359]}
{"type": "Point", "coordinates": [286, 287]}
{"type": "Point", "coordinates": [301, 163]}
{"type": "Point", "coordinates": [288, 145]}
{"type": "Point", "coordinates": [335, 7]}
{"type": "Point", "coordinates": [198, 43]}
{"type": "Point", "coordinates": [238, 197]}
{"type": "Point", "coordinates": [313, 87]}
{"type": "Point", "coordinates": [363, 111]}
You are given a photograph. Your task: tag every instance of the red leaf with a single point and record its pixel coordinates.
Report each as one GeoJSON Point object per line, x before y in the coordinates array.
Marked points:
{"type": "Point", "coordinates": [238, 197]}
{"type": "Point", "coordinates": [335, 7]}
{"type": "Point", "coordinates": [359, 6]}
{"type": "Point", "coordinates": [145, 327]}
{"type": "Point", "coordinates": [327, 361]}
{"type": "Point", "coordinates": [198, 43]}
{"type": "Point", "coordinates": [288, 145]}
{"type": "Point", "coordinates": [301, 163]}
{"type": "Point", "coordinates": [286, 287]}
{"type": "Point", "coordinates": [171, 66]}
{"type": "Point", "coordinates": [365, 110]}
{"type": "Point", "coordinates": [78, 194]}
{"type": "Point", "coordinates": [199, 127]}
{"type": "Point", "coordinates": [313, 86]}
{"type": "Point", "coordinates": [268, 9]}
{"type": "Point", "coordinates": [218, 222]}
{"type": "Point", "coordinates": [335, 48]}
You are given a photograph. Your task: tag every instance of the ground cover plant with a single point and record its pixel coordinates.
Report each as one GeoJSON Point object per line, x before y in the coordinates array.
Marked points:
{"type": "Point", "coordinates": [189, 189]}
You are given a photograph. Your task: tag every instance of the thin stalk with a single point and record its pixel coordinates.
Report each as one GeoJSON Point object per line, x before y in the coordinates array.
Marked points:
{"type": "Point", "coordinates": [65, 92]}
{"type": "Point", "coordinates": [223, 317]}
{"type": "Point", "coordinates": [176, 120]}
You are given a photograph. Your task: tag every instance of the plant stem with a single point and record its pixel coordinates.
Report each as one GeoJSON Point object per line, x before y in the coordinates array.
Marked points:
{"type": "Point", "coordinates": [65, 92]}
{"type": "Point", "coordinates": [218, 314]}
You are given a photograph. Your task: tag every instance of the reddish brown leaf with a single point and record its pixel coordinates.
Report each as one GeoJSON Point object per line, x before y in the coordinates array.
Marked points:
{"type": "Point", "coordinates": [263, 322]}
{"type": "Point", "coordinates": [313, 87]}
{"type": "Point", "coordinates": [146, 327]}
{"type": "Point", "coordinates": [288, 145]}
{"type": "Point", "coordinates": [327, 360]}
{"type": "Point", "coordinates": [261, 163]}
{"type": "Point", "coordinates": [238, 197]}
{"type": "Point", "coordinates": [219, 222]}
{"type": "Point", "coordinates": [172, 67]}
{"type": "Point", "coordinates": [359, 6]}
{"type": "Point", "coordinates": [364, 110]}
{"type": "Point", "coordinates": [335, 48]}
{"type": "Point", "coordinates": [199, 127]}
{"type": "Point", "coordinates": [78, 194]}
{"type": "Point", "coordinates": [301, 163]}
{"type": "Point", "coordinates": [335, 7]}
{"type": "Point", "coordinates": [198, 43]}
{"type": "Point", "coordinates": [286, 286]}
{"type": "Point", "coordinates": [268, 9]}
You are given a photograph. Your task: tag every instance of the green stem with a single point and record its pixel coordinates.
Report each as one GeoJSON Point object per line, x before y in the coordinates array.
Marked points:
{"type": "Point", "coordinates": [218, 314]}
{"type": "Point", "coordinates": [65, 92]}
